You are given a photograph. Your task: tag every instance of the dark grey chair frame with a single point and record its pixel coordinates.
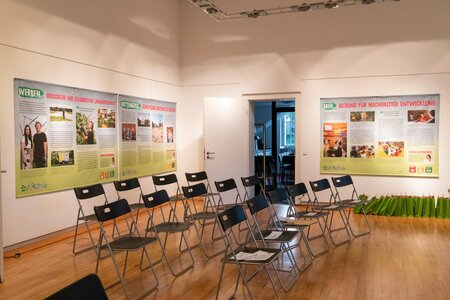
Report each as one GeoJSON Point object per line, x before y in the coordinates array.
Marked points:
{"type": "Point", "coordinates": [154, 202]}
{"type": "Point", "coordinates": [208, 213]}
{"type": "Point", "coordinates": [168, 181]}
{"type": "Point", "coordinates": [228, 219]}
{"type": "Point", "coordinates": [339, 184]}
{"type": "Point", "coordinates": [258, 205]}
{"type": "Point", "coordinates": [299, 191]}
{"type": "Point", "coordinates": [330, 206]}
{"type": "Point", "coordinates": [129, 185]}
{"type": "Point", "coordinates": [128, 243]}
{"type": "Point", "coordinates": [84, 194]}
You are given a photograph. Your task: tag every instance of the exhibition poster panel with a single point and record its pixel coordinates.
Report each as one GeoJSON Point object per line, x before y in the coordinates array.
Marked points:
{"type": "Point", "coordinates": [394, 135]}
{"type": "Point", "coordinates": [147, 137]}
{"type": "Point", "coordinates": [65, 137]}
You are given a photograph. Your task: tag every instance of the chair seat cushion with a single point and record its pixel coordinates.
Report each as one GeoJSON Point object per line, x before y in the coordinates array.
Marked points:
{"type": "Point", "coordinates": [130, 243]}
{"type": "Point", "coordinates": [171, 226]}
{"type": "Point", "coordinates": [137, 205]}
{"type": "Point", "coordinates": [303, 214]}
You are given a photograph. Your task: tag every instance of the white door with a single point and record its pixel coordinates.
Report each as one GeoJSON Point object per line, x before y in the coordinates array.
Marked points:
{"type": "Point", "coordinates": [226, 131]}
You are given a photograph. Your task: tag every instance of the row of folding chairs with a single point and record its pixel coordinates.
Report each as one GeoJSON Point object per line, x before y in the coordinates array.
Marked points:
{"type": "Point", "coordinates": [280, 231]}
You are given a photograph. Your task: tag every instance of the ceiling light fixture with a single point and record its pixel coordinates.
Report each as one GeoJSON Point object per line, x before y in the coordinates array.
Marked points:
{"type": "Point", "coordinates": [222, 14]}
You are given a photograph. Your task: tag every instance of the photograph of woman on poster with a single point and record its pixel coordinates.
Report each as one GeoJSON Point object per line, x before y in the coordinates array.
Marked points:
{"type": "Point", "coordinates": [88, 136]}
{"type": "Point", "coordinates": [27, 148]}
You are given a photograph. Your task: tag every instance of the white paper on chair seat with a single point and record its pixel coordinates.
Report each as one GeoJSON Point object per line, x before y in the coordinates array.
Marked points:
{"type": "Point", "coordinates": [258, 255]}
{"type": "Point", "coordinates": [331, 207]}
{"type": "Point", "coordinates": [311, 214]}
{"type": "Point", "coordinates": [274, 235]}
{"type": "Point", "coordinates": [356, 201]}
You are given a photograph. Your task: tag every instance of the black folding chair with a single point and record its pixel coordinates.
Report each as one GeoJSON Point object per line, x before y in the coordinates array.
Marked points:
{"type": "Point", "coordinates": [201, 177]}
{"type": "Point", "coordinates": [259, 204]}
{"type": "Point", "coordinates": [300, 192]}
{"type": "Point", "coordinates": [242, 256]}
{"type": "Point", "coordinates": [128, 188]}
{"type": "Point", "coordinates": [323, 187]}
{"type": "Point", "coordinates": [252, 182]}
{"type": "Point", "coordinates": [279, 197]}
{"type": "Point", "coordinates": [169, 183]}
{"type": "Point", "coordinates": [208, 213]}
{"type": "Point", "coordinates": [344, 186]}
{"type": "Point", "coordinates": [154, 202]}
{"type": "Point", "coordinates": [128, 243]}
{"type": "Point", "coordinates": [94, 194]}
{"type": "Point", "coordinates": [89, 287]}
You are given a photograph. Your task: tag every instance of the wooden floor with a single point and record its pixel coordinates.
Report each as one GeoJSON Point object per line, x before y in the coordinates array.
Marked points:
{"type": "Point", "coordinates": [403, 258]}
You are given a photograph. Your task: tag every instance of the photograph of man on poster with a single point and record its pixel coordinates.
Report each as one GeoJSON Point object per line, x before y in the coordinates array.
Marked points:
{"type": "Point", "coordinates": [39, 147]}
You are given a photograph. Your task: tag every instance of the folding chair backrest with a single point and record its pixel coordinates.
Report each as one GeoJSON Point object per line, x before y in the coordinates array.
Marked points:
{"type": "Point", "coordinates": [88, 287]}
{"type": "Point", "coordinates": [257, 204]}
{"type": "Point", "coordinates": [112, 210]}
{"type": "Point", "coordinates": [88, 192]}
{"type": "Point", "coordinates": [322, 185]}
{"type": "Point", "coordinates": [225, 185]}
{"type": "Point", "coordinates": [169, 182]}
{"type": "Point", "coordinates": [299, 190]}
{"type": "Point", "coordinates": [196, 177]}
{"type": "Point", "coordinates": [156, 198]}
{"type": "Point", "coordinates": [126, 185]}
{"type": "Point", "coordinates": [344, 188]}
{"type": "Point", "coordinates": [231, 217]}
{"type": "Point", "coordinates": [279, 195]}
{"type": "Point", "coordinates": [195, 190]}
{"type": "Point", "coordinates": [251, 181]}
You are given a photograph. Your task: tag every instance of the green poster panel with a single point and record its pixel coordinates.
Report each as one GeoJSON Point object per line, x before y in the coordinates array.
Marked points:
{"type": "Point", "coordinates": [64, 137]}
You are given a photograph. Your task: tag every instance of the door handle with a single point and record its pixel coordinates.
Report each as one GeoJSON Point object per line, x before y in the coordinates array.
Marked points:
{"type": "Point", "coordinates": [2, 171]}
{"type": "Point", "coordinates": [208, 153]}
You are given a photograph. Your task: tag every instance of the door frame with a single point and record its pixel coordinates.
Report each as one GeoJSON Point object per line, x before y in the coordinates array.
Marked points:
{"type": "Point", "coordinates": [1, 217]}
{"type": "Point", "coordinates": [251, 99]}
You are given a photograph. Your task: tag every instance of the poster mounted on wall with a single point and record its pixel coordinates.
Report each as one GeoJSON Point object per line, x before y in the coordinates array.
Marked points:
{"type": "Point", "coordinates": [64, 137]}
{"type": "Point", "coordinates": [147, 136]}
{"type": "Point", "coordinates": [387, 136]}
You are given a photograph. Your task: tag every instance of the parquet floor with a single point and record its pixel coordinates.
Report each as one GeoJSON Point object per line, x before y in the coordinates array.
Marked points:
{"type": "Point", "coordinates": [403, 258]}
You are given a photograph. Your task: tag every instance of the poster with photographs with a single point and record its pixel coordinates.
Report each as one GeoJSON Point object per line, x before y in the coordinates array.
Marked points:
{"type": "Point", "coordinates": [64, 137]}
{"type": "Point", "coordinates": [147, 144]}
{"type": "Point", "coordinates": [391, 135]}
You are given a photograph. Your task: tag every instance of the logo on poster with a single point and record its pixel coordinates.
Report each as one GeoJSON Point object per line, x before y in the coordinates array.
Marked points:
{"type": "Point", "coordinates": [412, 169]}
{"type": "Point", "coordinates": [329, 106]}
{"type": "Point", "coordinates": [26, 92]}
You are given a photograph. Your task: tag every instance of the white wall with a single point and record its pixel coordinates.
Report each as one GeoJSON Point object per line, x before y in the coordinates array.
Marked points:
{"type": "Point", "coordinates": [395, 48]}
{"type": "Point", "coordinates": [94, 44]}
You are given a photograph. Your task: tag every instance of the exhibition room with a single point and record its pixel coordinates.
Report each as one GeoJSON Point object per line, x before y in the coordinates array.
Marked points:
{"type": "Point", "coordinates": [219, 149]}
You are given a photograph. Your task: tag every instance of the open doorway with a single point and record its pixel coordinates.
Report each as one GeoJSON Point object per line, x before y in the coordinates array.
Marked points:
{"type": "Point", "coordinates": [274, 141]}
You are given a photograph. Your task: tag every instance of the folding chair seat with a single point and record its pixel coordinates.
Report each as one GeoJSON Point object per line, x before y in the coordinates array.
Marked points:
{"type": "Point", "coordinates": [300, 192]}
{"type": "Point", "coordinates": [323, 187]}
{"type": "Point", "coordinates": [280, 196]}
{"type": "Point", "coordinates": [200, 216]}
{"type": "Point", "coordinates": [154, 202]}
{"type": "Point", "coordinates": [95, 194]}
{"type": "Point", "coordinates": [344, 186]}
{"type": "Point", "coordinates": [259, 204]}
{"type": "Point", "coordinates": [169, 183]}
{"type": "Point", "coordinates": [128, 189]}
{"type": "Point", "coordinates": [128, 243]}
{"type": "Point", "coordinates": [244, 256]}
{"type": "Point", "coordinates": [89, 287]}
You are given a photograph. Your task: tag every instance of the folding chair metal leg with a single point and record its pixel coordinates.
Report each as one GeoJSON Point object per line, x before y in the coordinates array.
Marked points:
{"type": "Point", "coordinates": [220, 279]}
{"type": "Point", "coordinates": [333, 230]}
{"type": "Point", "coordinates": [366, 220]}
{"type": "Point", "coordinates": [200, 243]}
{"type": "Point", "coordinates": [90, 237]}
